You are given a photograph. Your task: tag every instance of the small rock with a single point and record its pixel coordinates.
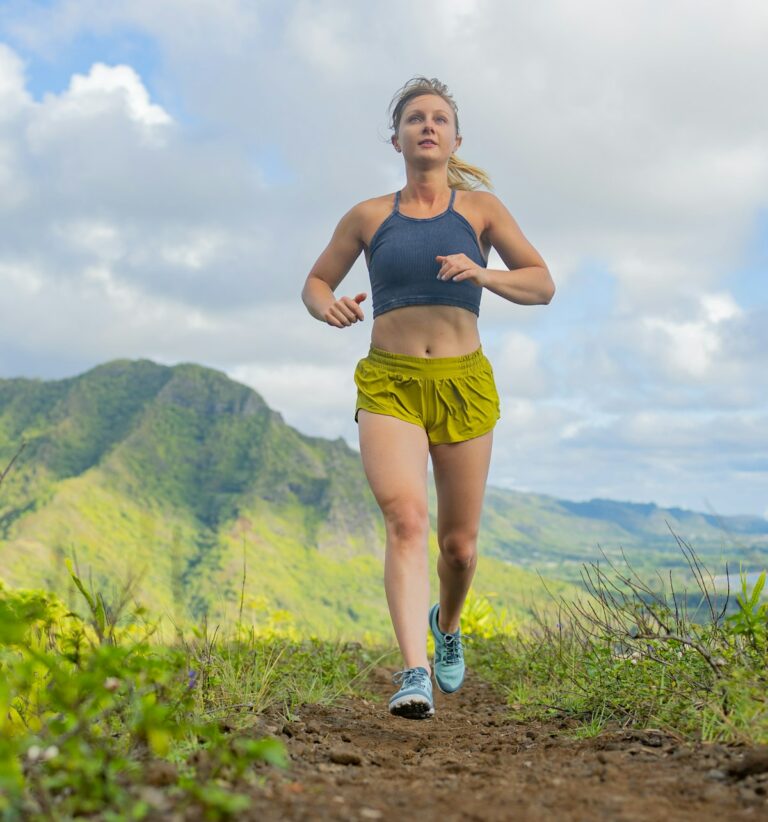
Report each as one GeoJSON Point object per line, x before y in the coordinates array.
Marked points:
{"type": "Point", "coordinates": [716, 773]}
{"type": "Point", "coordinates": [746, 793]}
{"type": "Point", "coordinates": [345, 756]}
{"type": "Point", "coordinates": [753, 762]}
{"type": "Point", "coordinates": [313, 728]}
{"type": "Point", "coordinates": [370, 813]}
{"type": "Point", "coordinates": [346, 738]}
{"type": "Point", "coordinates": [292, 729]}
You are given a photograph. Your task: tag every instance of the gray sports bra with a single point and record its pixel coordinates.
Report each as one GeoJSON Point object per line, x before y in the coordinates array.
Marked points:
{"type": "Point", "coordinates": [402, 264]}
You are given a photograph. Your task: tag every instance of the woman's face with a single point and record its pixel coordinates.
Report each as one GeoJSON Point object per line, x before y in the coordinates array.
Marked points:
{"type": "Point", "coordinates": [427, 129]}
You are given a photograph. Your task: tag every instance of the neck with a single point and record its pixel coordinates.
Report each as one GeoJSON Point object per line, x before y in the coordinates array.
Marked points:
{"type": "Point", "coordinates": [425, 186]}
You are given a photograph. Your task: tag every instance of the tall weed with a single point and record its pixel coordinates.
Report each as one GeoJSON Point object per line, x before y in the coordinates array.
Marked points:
{"type": "Point", "coordinates": [632, 653]}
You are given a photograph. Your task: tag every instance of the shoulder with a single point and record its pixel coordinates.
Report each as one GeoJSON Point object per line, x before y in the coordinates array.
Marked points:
{"type": "Point", "coordinates": [363, 211]}
{"type": "Point", "coordinates": [375, 204]}
{"type": "Point", "coordinates": [483, 209]}
{"type": "Point", "coordinates": [368, 215]}
{"type": "Point", "coordinates": [482, 201]}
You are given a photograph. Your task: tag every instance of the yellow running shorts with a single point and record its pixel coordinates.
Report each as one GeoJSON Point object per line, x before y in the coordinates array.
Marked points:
{"type": "Point", "coordinates": [452, 398]}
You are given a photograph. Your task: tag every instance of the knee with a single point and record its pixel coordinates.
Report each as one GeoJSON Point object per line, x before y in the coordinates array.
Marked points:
{"type": "Point", "coordinates": [406, 523]}
{"type": "Point", "coordinates": [459, 550]}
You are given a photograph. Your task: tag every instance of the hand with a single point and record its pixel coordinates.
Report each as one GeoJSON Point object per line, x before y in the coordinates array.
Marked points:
{"type": "Point", "coordinates": [459, 267]}
{"type": "Point", "coordinates": [344, 311]}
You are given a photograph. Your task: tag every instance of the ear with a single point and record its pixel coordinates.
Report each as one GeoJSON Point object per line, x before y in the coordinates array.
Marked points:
{"type": "Point", "coordinates": [395, 143]}
{"type": "Point", "coordinates": [458, 141]}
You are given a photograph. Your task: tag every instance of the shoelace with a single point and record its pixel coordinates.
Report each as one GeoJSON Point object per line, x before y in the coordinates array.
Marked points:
{"type": "Point", "coordinates": [409, 677]}
{"type": "Point", "coordinates": [453, 649]}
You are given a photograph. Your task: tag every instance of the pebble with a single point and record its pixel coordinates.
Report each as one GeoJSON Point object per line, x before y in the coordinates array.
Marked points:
{"type": "Point", "coordinates": [292, 729]}
{"type": "Point", "coordinates": [716, 773]}
{"type": "Point", "coordinates": [753, 762]}
{"type": "Point", "coordinates": [345, 756]}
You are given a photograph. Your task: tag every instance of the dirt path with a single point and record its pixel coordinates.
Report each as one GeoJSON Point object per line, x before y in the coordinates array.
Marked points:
{"type": "Point", "coordinates": [474, 761]}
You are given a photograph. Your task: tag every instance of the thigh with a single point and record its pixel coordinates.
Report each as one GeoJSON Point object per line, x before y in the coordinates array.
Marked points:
{"type": "Point", "coordinates": [461, 471]}
{"type": "Point", "coordinates": [395, 456]}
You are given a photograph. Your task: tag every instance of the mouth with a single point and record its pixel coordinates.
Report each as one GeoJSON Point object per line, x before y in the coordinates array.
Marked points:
{"type": "Point", "coordinates": [427, 143]}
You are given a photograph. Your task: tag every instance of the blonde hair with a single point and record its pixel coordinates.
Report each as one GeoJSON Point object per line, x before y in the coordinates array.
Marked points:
{"type": "Point", "coordinates": [461, 175]}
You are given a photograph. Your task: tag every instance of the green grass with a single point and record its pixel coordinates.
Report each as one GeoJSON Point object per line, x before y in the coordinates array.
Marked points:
{"type": "Point", "coordinates": [624, 658]}
{"type": "Point", "coordinates": [89, 708]}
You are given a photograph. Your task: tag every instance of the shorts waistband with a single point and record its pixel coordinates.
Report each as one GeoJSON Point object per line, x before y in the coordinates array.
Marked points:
{"type": "Point", "coordinates": [428, 367]}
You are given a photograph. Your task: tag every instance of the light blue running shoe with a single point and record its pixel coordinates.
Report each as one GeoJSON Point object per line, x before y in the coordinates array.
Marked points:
{"type": "Point", "coordinates": [414, 699]}
{"type": "Point", "coordinates": [449, 656]}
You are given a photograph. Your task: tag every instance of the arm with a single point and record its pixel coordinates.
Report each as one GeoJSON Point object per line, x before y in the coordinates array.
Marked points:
{"type": "Point", "coordinates": [328, 272]}
{"type": "Point", "coordinates": [527, 280]}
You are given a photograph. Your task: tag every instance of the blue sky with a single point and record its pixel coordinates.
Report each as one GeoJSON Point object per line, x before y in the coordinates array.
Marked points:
{"type": "Point", "coordinates": [170, 171]}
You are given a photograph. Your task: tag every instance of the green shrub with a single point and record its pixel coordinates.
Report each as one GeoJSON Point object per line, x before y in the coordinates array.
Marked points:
{"type": "Point", "coordinates": [630, 654]}
{"type": "Point", "coordinates": [89, 707]}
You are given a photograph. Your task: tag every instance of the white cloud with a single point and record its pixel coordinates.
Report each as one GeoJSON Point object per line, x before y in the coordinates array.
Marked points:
{"type": "Point", "coordinates": [517, 366]}
{"type": "Point", "coordinates": [131, 228]}
{"type": "Point", "coordinates": [323, 37]}
{"type": "Point", "coordinates": [114, 92]}
{"type": "Point", "coordinates": [719, 307]}
{"type": "Point", "coordinates": [691, 348]}
{"type": "Point", "coordinates": [13, 95]}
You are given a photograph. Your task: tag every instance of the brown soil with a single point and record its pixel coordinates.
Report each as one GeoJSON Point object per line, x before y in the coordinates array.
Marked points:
{"type": "Point", "coordinates": [475, 761]}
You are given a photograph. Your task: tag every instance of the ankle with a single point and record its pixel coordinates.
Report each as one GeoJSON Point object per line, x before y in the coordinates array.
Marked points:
{"type": "Point", "coordinates": [424, 665]}
{"type": "Point", "coordinates": [449, 629]}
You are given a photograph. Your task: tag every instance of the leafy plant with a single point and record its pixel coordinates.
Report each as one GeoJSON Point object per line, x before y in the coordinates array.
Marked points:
{"type": "Point", "coordinates": [88, 707]}
{"type": "Point", "coordinates": [751, 620]}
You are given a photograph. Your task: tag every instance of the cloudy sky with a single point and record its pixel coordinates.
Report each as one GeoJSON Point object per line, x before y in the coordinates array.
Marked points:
{"type": "Point", "coordinates": [170, 170]}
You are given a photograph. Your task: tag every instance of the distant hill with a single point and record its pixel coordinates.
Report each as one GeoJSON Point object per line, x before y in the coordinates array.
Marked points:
{"type": "Point", "coordinates": [181, 475]}
{"type": "Point", "coordinates": [557, 536]}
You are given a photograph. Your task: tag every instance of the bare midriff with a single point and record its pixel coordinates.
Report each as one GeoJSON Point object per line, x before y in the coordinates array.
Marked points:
{"type": "Point", "coordinates": [427, 331]}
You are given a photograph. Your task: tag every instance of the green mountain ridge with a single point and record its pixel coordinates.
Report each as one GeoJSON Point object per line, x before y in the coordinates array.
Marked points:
{"type": "Point", "coordinates": [181, 478]}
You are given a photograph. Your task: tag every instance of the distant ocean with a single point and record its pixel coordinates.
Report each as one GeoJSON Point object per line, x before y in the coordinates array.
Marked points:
{"type": "Point", "coordinates": [721, 581]}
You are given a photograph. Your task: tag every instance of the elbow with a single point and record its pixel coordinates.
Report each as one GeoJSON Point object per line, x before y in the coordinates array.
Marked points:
{"type": "Point", "coordinates": [548, 291]}
{"type": "Point", "coordinates": [305, 295]}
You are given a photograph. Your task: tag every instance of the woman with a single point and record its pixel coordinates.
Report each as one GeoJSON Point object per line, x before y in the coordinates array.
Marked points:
{"type": "Point", "coordinates": [426, 389]}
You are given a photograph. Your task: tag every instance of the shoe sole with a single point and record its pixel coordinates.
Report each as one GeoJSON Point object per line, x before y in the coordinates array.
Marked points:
{"type": "Point", "coordinates": [412, 708]}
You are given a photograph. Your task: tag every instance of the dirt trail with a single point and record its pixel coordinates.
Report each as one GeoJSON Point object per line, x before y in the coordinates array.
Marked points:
{"type": "Point", "coordinates": [474, 761]}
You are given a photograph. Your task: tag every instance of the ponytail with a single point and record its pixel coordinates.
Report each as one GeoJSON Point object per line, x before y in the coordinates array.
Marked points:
{"type": "Point", "coordinates": [466, 177]}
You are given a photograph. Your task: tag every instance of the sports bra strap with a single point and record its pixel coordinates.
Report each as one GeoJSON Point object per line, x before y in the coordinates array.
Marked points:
{"type": "Point", "coordinates": [397, 201]}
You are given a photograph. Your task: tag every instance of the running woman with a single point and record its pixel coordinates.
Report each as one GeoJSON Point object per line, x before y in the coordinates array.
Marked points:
{"type": "Point", "coordinates": [426, 389]}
